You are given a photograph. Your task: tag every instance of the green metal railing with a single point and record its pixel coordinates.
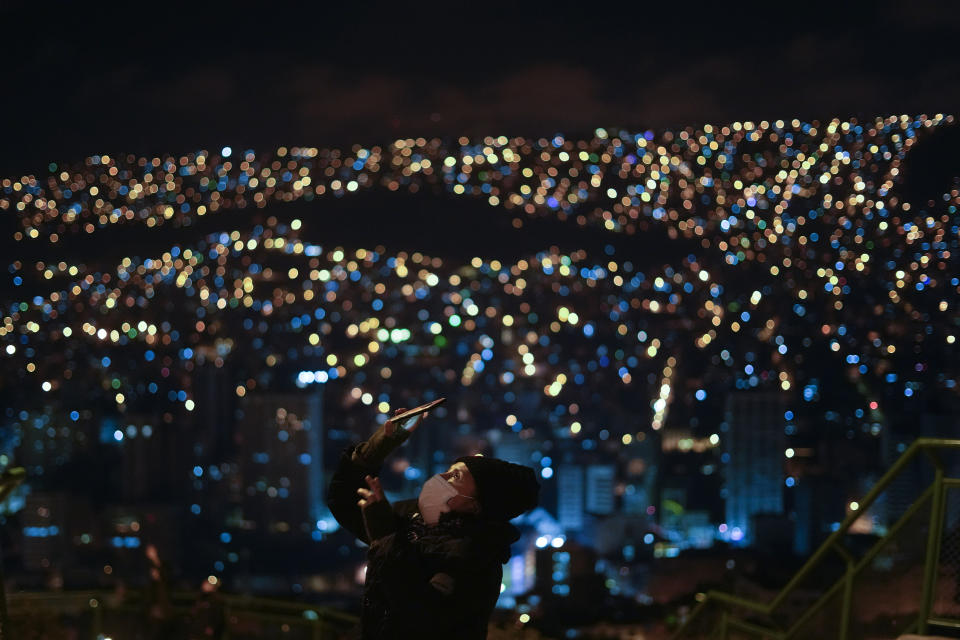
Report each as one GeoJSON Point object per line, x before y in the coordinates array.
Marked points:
{"type": "Point", "coordinates": [724, 615]}
{"type": "Point", "coordinates": [105, 614]}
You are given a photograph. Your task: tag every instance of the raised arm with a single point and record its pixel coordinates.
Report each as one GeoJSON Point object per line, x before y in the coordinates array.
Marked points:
{"type": "Point", "coordinates": [357, 462]}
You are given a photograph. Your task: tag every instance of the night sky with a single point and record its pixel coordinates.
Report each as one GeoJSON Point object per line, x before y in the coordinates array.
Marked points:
{"type": "Point", "coordinates": [166, 77]}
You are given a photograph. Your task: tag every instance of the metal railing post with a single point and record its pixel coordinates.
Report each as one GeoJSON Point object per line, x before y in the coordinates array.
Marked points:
{"type": "Point", "coordinates": [847, 602]}
{"type": "Point", "coordinates": [934, 536]}
{"type": "Point", "coordinates": [847, 590]}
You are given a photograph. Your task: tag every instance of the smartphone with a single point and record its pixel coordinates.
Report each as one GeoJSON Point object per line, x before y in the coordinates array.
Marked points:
{"type": "Point", "coordinates": [407, 419]}
{"type": "Point", "coordinates": [408, 424]}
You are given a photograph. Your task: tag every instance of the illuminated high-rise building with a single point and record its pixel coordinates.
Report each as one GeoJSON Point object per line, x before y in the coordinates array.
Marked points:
{"type": "Point", "coordinates": [149, 460]}
{"type": "Point", "coordinates": [571, 489]}
{"type": "Point", "coordinates": [214, 391]}
{"type": "Point", "coordinates": [641, 475]}
{"type": "Point", "coordinates": [599, 489]}
{"type": "Point", "coordinates": [513, 448]}
{"type": "Point", "coordinates": [47, 440]}
{"type": "Point", "coordinates": [753, 445]}
{"type": "Point", "coordinates": [45, 533]}
{"type": "Point", "coordinates": [279, 444]}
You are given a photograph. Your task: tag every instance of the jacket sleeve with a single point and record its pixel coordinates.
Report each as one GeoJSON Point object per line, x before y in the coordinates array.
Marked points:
{"type": "Point", "coordinates": [378, 519]}
{"type": "Point", "coordinates": [356, 462]}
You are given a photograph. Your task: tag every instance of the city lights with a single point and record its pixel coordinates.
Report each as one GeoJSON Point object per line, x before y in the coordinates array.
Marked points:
{"type": "Point", "coordinates": [747, 256]}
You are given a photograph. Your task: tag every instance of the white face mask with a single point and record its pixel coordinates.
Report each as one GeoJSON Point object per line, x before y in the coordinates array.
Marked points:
{"type": "Point", "coordinates": [434, 496]}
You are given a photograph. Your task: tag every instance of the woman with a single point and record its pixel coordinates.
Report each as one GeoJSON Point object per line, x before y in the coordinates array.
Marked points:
{"type": "Point", "coordinates": [434, 566]}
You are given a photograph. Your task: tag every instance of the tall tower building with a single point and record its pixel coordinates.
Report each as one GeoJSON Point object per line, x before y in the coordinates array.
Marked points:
{"type": "Point", "coordinates": [45, 533]}
{"type": "Point", "coordinates": [571, 487]}
{"type": "Point", "coordinates": [149, 466]}
{"type": "Point", "coordinates": [216, 400]}
{"type": "Point", "coordinates": [279, 445]}
{"type": "Point", "coordinates": [753, 447]}
{"type": "Point", "coordinates": [513, 448]}
{"type": "Point", "coordinates": [599, 485]}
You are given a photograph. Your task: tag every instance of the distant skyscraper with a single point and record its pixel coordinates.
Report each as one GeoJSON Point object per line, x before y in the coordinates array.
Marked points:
{"type": "Point", "coordinates": [45, 532]}
{"type": "Point", "coordinates": [600, 478]}
{"type": "Point", "coordinates": [570, 496]}
{"type": "Point", "coordinates": [216, 399]}
{"type": "Point", "coordinates": [513, 448]}
{"type": "Point", "coordinates": [149, 466]}
{"type": "Point", "coordinates": [316, 480]}
{"type": "Point", "coordinates": [280, 450]}
{"type": "Point", "coordinates": [804, 525]}
{"type": "Point", "coordinates": [636, 499]}
{"type": "Point", "coordinates": [45, 442]}
{"type": "Point", "coordinates": [642, 475]}
{"type": "Point", "coordinates": [753, 446]}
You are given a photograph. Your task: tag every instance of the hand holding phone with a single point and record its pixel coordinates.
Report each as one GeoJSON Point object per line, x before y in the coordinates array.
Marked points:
{"type": "Point", "coordinates": [410, 419]}
{"type": "Point", "coordinates": [412, 423]}
{"type": "Point", "coordinates": [407, 424]}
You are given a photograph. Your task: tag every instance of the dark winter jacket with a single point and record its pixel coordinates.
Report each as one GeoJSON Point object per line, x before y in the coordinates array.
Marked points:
{"type": "Point", "coordinates": [422, 582]}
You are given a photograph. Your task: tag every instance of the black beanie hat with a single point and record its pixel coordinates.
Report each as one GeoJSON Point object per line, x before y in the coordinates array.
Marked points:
{"type": "Point", "coordinates": [504, 489]}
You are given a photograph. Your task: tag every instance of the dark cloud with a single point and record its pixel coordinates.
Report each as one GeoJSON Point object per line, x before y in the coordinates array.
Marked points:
{"type": "Point", "coordinates": [149, 80]}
